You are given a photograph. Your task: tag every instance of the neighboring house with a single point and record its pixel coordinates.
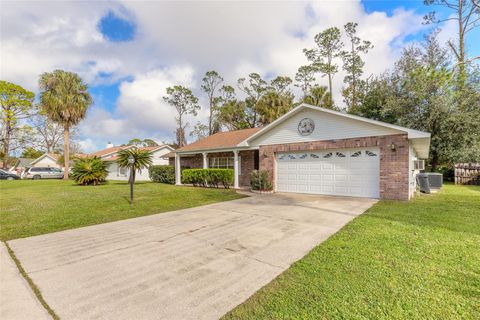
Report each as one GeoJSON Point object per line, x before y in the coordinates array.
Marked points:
{"type": "Point", "coordinates": [49, 160]}
{"type": "Point", "coordinates": [317, 151]}
{"type": "Point", "coordinates": [22, 164]}
{"type": "Point", "coordinates": [110, 154]}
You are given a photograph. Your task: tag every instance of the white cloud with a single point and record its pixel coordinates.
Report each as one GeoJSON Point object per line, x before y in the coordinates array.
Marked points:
{"type": "Point", "coordinates": [176, 43]}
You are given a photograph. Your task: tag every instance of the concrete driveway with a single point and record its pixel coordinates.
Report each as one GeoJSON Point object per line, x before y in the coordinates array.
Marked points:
{"type": "Point", "coordinates": [196, 263]}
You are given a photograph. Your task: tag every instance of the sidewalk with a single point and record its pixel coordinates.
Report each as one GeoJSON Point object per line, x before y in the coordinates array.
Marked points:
{"type": "Point", "coordinates": [17, 301]}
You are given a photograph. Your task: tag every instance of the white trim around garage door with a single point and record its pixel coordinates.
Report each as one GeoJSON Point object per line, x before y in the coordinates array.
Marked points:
{"type": "Point", "coordinates": [340, 172]}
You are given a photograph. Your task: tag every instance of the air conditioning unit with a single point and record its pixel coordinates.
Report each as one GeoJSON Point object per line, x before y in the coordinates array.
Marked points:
{"type": "Point", "coordinates": [435, 180]}
{"type": "Point", "coordinates": [419, 164]}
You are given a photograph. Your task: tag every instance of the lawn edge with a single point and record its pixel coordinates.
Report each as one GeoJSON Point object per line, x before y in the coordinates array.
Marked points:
{"type": "Point", "coordinates": [30, 282]}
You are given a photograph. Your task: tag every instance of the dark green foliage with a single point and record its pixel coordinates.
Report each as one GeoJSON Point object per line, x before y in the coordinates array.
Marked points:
{"type": "Point", "coordinates": [89, 171]}
{"type": "Point", "coordinates": [208, 177]}
{"type": "Point", "coordinates": [260, 180]}
{"type": "Point", "coordinates": [162, 174]}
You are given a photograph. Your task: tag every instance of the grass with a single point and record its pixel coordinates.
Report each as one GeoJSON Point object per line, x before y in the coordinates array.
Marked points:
{"type": "Point", "coordinates": [400, 260]}
{"type": "Point", "coordinates": [29, 208]}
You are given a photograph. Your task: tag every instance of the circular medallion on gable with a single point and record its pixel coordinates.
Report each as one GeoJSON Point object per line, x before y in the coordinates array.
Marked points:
{"type": "Point", "coordinates": [306, 126]}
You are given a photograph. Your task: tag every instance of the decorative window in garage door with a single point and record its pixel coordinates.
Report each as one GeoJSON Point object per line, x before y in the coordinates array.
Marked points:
{"type": "Point", "coordinates": [356, 154]}
{"type": "Point", "coordinates": [282, 157]}
{"type": "Point", "coordinates": [314, 156]}
{"type": "Point", "coordinates": [328, 155]}
{"type": "Point", "coordinates": [370, 153]}
{"type": "Point", "coordinates": [340, 155]}
{"type": "Point", "coordinates": [303, 156]}
{"type": "Point", "coordinates": [291, 156]}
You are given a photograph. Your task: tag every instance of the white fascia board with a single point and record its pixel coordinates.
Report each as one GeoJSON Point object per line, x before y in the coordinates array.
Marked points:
{"type": "Point", "coordinates": [197, 151]}
{"type": "Point", "coordinates": [412, 134]}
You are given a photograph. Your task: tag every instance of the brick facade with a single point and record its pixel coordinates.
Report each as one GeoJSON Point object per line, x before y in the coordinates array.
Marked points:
{"type": "Point", "coordinates": [394, 173]}
{"type": "Point", "coordinates": [247, 163]}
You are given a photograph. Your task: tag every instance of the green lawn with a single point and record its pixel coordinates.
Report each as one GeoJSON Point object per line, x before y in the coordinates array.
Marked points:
{"type": "Point", "coordinates": [30, 208]}
{"type": "Point", "coordinates": [415, 260]}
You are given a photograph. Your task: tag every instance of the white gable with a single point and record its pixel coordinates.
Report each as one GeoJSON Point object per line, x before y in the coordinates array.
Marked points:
{"type": "Point", "coordinates": [327, 127]}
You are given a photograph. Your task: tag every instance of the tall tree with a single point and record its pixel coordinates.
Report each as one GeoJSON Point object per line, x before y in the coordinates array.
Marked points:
{"type": "Point", "coordinates": [16, 105]}
{"type": "Point", "coordinates": [199, 131]}
{"type": "Point", "coordinates": [280, 85]}
{"type": "Point", "coordinates": [305, 79]}
{"type": "Point", "coordinates": [353, 65]}
{"type": "Point", "coordinates": [328, 47]}
{"type": "Point", "coordinates": [273, 105]}
{"type": "Point", "coordinates": [255, 87]}
{"type": "Point", "coordinates": [234, 114]}
{"type": "Point", "coordinates": [466, 14]}
{"type": "Point", "coordinates": [64, 99]}
{"type": "Point", "coordinates": [48, 134]}
{"type": "Point", "coordinates": [183, 100]}
{"type": "Point", "coordinates": [210, 85]}
{"type": "Point", "coordinates": [319, 96]}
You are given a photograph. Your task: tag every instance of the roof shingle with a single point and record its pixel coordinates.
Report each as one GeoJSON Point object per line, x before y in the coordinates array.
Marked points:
{"type": "Point", "coordinates": [220, 140]}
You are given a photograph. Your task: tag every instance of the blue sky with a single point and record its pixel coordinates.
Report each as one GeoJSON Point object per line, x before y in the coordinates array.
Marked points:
{"type": "Point", "coordinates": [129, 52]}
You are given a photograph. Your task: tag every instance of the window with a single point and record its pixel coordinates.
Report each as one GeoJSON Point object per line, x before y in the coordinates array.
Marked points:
{"type": "Point", "coordinates": [291, 156]}
{"type": "Point", "coordinates": [356, 154]}
{"type": "Point", "coordinates": [224, 163]}
{"type": "Point", "coordinates": [122, 172]}
{"type": "Point", "coordinates": [328, 155]}
{"type": "Point", "coordinates": [314, 156]}
{"type": "Point", "coordinates": [303, 156]}
{"type": "Point", "coordinates": [340, 155]}
{"type": "Point", "coordinates": [370, 153]}
{"type": "Point", "coordinates": [281, 157]}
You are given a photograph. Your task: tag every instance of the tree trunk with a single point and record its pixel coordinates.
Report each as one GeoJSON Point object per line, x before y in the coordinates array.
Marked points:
{"type": "Point", "coordinates": [6, 145]}
{"type": "Point", "coordinates": [66, 152]}
{"type": "Point", "coordinates": [330, 87]}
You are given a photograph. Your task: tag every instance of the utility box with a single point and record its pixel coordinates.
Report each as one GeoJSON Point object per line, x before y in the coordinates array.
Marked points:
{"type": "Point", "coordinates": [435, 180]}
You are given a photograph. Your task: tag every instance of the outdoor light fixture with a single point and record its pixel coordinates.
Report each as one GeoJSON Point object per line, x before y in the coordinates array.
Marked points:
{"type": "Point", "coordinates": [131, 161]}
{"type": "Point", "coordinates": [393, 147]}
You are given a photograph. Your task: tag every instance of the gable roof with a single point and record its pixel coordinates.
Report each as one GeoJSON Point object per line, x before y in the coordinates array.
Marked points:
{"type": "Point", "coordinates": [229, 139]}
{"type": "Point", "coordinates": [24, 162]}
{"type": "Point", "coordinates": [52, 156]}
{"type": "Point", "coordinates": [412, 134]}
{"type": "Point", "coordinates": [242, 138]}
{"type": "Point", "coordinates": [112, 151]}
{"type": "Point", "coordinates": [107, 151]}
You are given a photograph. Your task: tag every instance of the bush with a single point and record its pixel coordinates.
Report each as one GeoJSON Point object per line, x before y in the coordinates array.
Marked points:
{"type": "Point", "coordinates": [260, 180]}
{"type": "Point", "coordinates": [89, 171]}
{"type": "Point", "coordinates": [208, 177]}
{"type": "Point", "coordinates": [162, 174]}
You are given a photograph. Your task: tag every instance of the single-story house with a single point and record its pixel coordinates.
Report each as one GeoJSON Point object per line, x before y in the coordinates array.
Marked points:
{"type": "Point", "coordinates": [110, 155]}
{"type": "Point", "coordinates": [317, 151]}
{"type": "Point", "coordinates": [48, 160]}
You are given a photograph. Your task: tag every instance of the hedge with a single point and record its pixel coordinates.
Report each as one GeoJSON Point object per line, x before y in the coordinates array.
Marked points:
{"type": "Point", "coordinates": [162, 174]}
{"type": "Point", "coordinates": [208, 177]}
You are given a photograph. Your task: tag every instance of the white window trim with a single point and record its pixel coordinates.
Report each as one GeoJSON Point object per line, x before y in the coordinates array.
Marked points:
{"type": "Point", "coordinates": [230, 163]}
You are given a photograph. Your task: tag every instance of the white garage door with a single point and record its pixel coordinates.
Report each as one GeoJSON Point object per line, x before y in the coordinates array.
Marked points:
{"type": "Point", "coordinates": [344, 172]}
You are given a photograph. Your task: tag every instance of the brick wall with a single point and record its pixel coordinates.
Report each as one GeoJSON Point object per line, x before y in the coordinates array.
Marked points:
{"type": "Point", "coordinates": [393, 164]}
{"type": "Point", "coordinates": [247, 163]}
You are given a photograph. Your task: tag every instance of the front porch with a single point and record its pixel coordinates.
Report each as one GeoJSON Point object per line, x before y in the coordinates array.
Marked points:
{"type": "Point", "coordinates": [243, 162]}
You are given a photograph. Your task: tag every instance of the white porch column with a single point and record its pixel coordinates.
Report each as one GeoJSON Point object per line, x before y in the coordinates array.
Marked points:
{"type": "Point", "coordinates": [235, 169]}
{"type": "Point", "coordinates": [178, 172]}
{"type": "Point", "coordinates": [205, 164]}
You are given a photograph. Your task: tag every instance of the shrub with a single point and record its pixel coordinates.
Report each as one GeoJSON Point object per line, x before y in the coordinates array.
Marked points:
{"type": "Point", "coordinates": [208, 177]}
{"type": "Point", "coordinates": [89, 171]}
{"type": "Point", "coordinates": [260, 180]}
{"type": "Point", "coordinates": [162, 174]}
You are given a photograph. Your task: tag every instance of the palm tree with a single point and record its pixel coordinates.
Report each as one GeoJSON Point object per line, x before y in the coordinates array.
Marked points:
{"type": "Point", "coordinates": [142, 160]}
{"type": "Point", "coordinates": [64, 99]}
